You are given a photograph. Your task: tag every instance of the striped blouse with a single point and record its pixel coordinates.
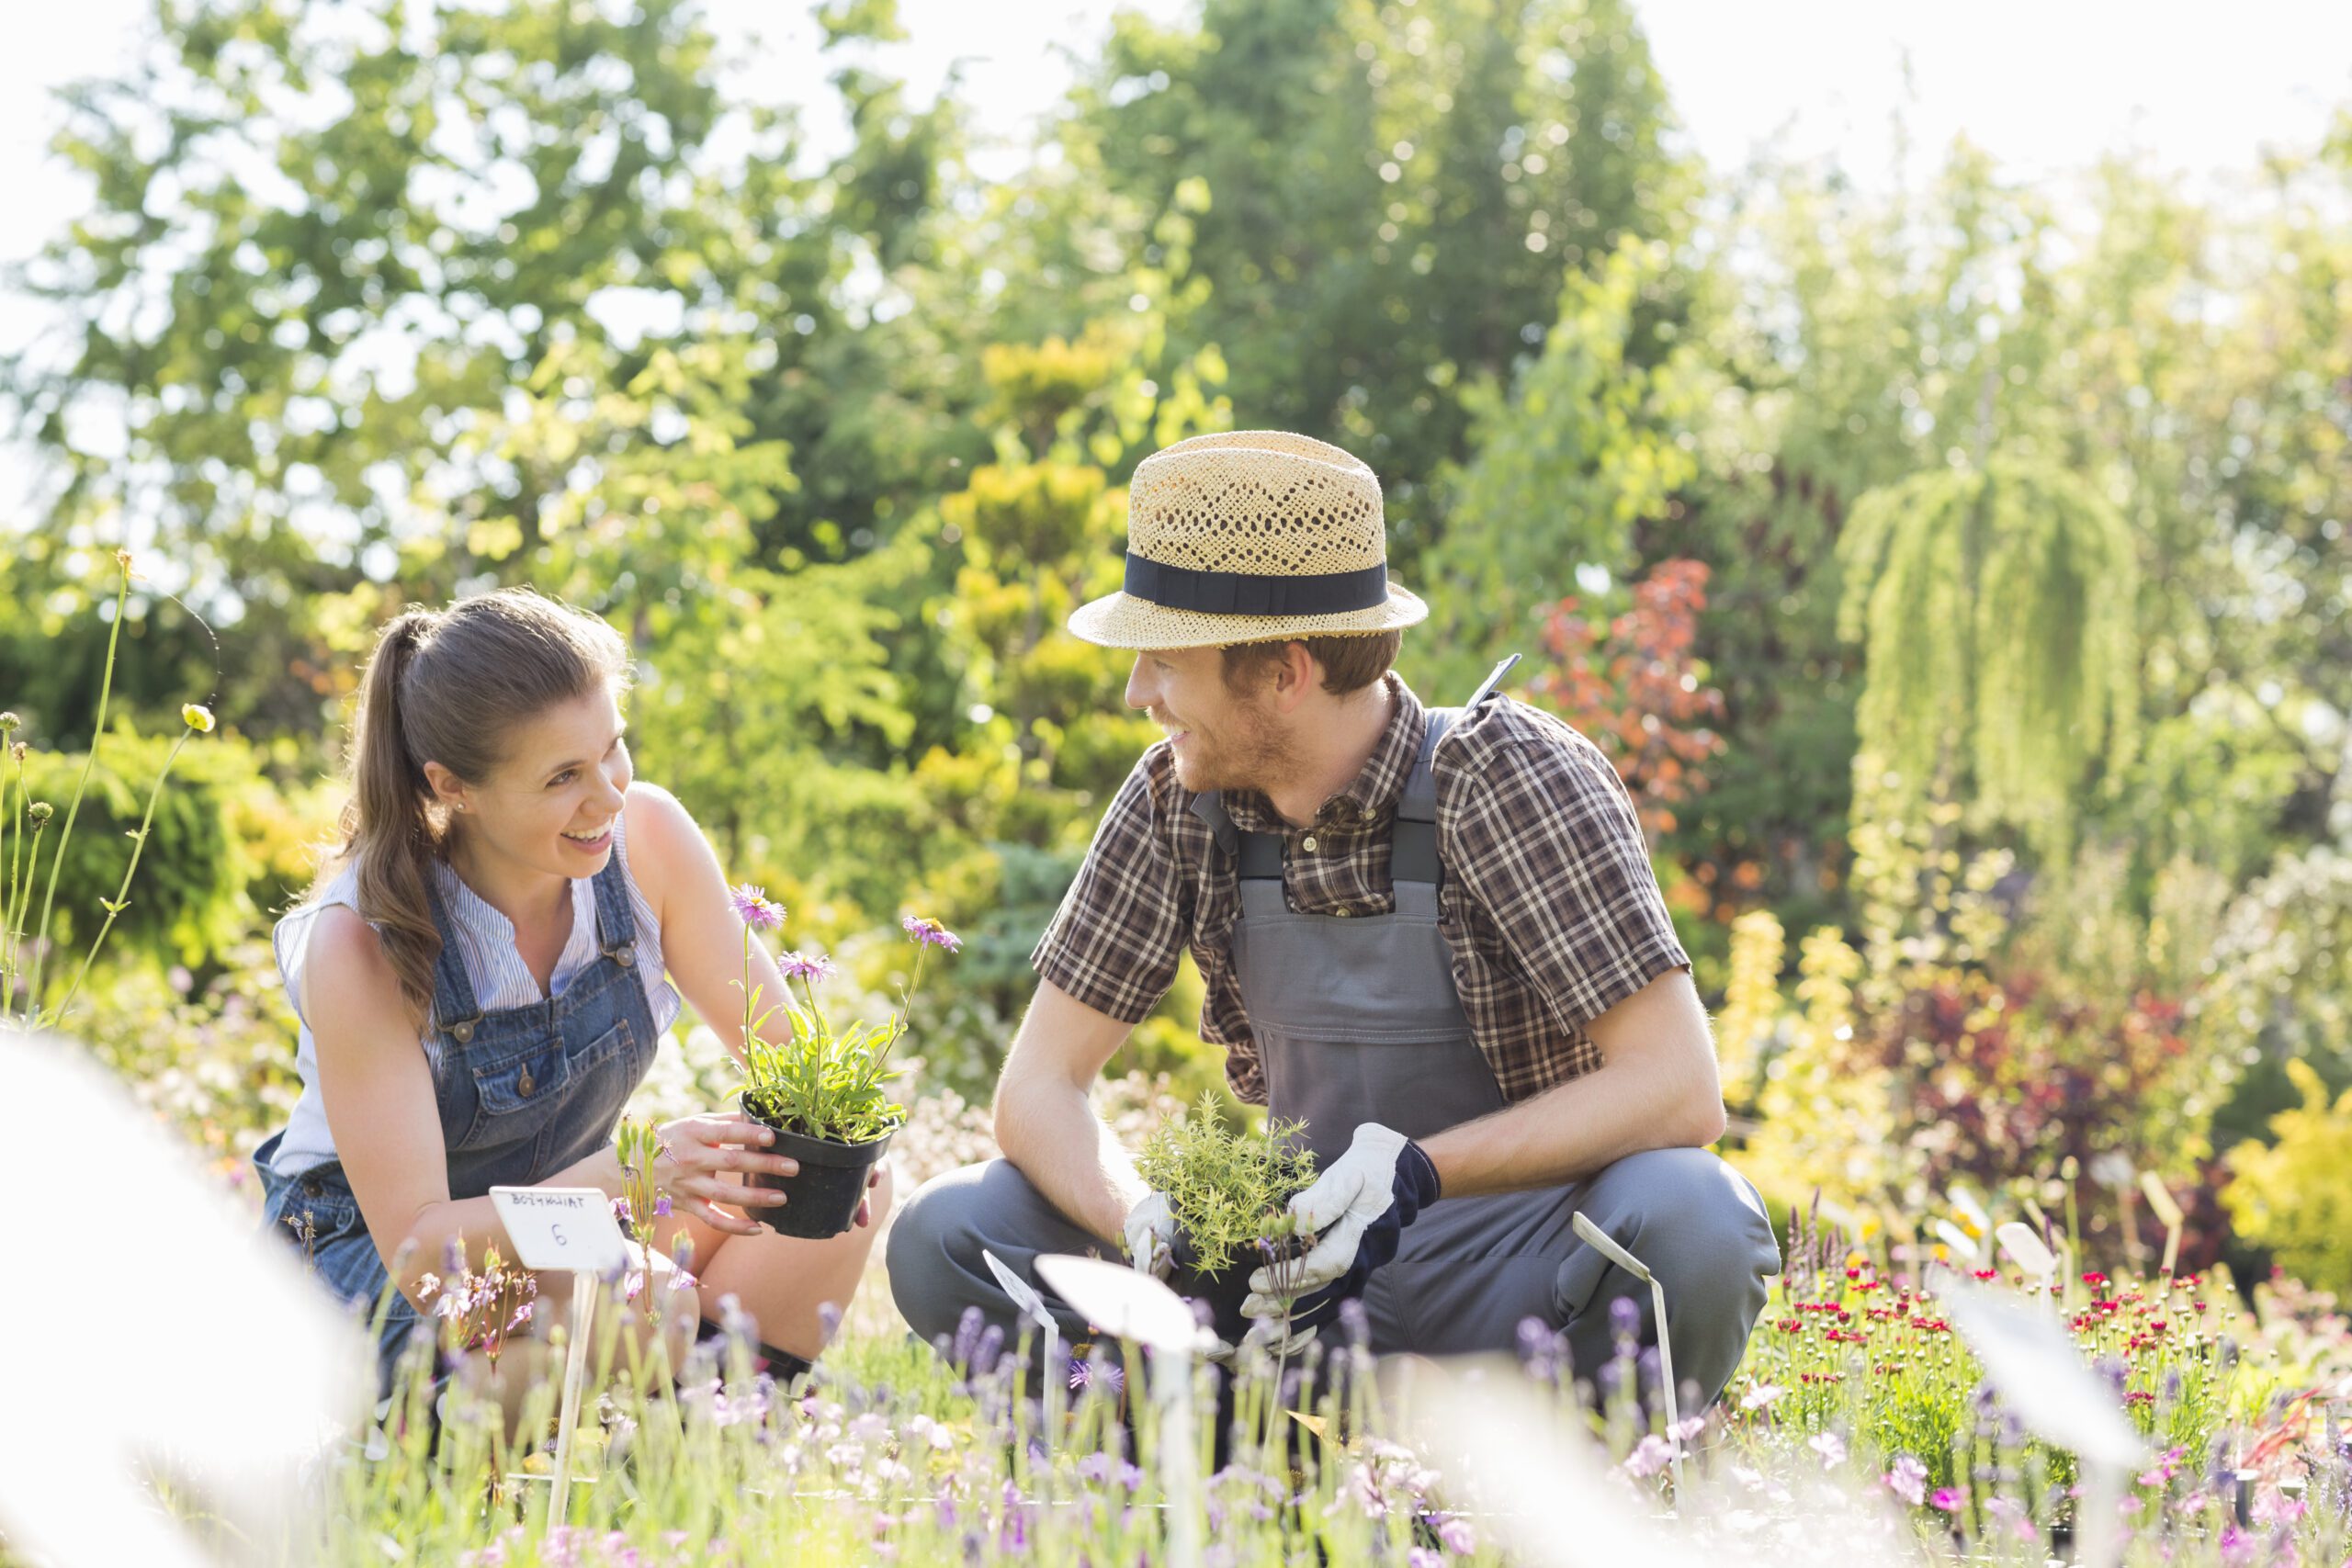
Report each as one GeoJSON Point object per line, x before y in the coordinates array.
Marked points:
{"type": "Point", "coordinates": [493, 964]}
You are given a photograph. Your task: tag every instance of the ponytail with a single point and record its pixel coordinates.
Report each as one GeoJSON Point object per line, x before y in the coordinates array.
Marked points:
{"type": "Point", "coordinates": [388, 833]}
{"type": "Point", "coordinates": [449, 686]}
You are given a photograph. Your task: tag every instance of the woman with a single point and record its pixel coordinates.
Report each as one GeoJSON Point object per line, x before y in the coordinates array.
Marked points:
{"type": "Point", "coordinates": [479, 977]}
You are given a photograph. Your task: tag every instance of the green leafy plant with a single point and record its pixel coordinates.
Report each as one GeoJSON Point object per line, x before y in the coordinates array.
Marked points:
{"type": "Point", "coordinates": [825, 1082]}
{"type": "Point", "coordinates": [2294, 1196]}
{"type": "Point", "coordinates": [1228, 1187]}
{"type": "Point", "coordinates": [25, 950]}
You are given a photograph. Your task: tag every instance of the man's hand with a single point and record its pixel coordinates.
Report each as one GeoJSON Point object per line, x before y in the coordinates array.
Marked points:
{"type": "Point", "coordinates": [1151, 1235]}
{"type": "Point", "coordinates": [1355, 1211]}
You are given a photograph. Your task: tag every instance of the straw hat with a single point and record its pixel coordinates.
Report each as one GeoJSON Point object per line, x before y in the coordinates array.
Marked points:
{"type": "Point", "coordinates": [1250, 537]}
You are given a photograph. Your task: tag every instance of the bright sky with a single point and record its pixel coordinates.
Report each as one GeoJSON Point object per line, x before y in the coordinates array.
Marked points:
{"type": "Point", "coordinates": [2045, 85]}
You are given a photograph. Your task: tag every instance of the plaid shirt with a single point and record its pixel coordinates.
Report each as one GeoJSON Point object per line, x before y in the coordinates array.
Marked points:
{"type": "Point", "coordinates": [1549, 903]}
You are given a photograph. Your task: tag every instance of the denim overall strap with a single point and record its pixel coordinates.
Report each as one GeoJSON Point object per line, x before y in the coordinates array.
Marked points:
{"type": "Point", "coordinates": [615, 921]}
{"type": "Point", "coordinates": [455, 1011]}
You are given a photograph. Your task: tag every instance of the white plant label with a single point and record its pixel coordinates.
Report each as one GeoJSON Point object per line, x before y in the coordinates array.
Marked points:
{"type": "Point", "coordinates": [568, 1228]}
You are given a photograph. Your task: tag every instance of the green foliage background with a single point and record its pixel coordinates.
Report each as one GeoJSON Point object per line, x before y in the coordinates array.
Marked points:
{"type": "Point", "coordinates": [2024, 506]}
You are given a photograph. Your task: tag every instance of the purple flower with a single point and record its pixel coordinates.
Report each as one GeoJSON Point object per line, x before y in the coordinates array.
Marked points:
{"type": "Point", "coordinates": [1652, 1454]}
{"type": "Point", "coordinates": [1624, 1317]}
{"type": "Point", "coordinates": [1907, 1480]}
{"type": "Point", "coordinates": [929, 933]}
{"type": "Point", "coordinates": [754, 907]}
{"type": "Point", "coordinates": [810, 967]}
{"type": "Point", "coordinates": [661, 1207]}
{"type": "Point", "coordinates": [1950, 1498]}
{"type": "Point", "coordinates": [1092, 1370]}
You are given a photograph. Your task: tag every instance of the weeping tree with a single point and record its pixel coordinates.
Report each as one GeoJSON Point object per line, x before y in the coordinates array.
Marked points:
{"type": "Point", "coordinates": [1995, 607]}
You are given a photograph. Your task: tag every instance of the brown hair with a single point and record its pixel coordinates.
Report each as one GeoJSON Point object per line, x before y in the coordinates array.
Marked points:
{"type": "Point", "coordinates": [1350, 664]}
{"type": "Point", "coordinates": [449, 686]}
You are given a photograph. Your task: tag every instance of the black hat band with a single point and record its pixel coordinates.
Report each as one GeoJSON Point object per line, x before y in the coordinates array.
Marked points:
{"type": "Point", "coordinates": [1255, 594]}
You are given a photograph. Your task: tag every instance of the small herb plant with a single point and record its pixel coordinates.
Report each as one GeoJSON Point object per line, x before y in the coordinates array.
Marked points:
{"type": "Point", "coordinates": [1229, 1189]}
{"type": "Point", "coordinates": [826, 1083]}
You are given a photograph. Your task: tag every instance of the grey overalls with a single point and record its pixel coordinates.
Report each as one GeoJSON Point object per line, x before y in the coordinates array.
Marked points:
{"type": "Point", "coordinates": [1357, 1020]}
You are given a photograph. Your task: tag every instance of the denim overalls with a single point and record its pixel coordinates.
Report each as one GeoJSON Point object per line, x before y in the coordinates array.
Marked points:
{"type": "Point", "coordinates": [523, 1092]}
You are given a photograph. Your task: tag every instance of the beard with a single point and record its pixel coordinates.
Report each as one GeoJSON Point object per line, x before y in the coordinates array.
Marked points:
{"type": "Point", "coordinates": [1248, 750]}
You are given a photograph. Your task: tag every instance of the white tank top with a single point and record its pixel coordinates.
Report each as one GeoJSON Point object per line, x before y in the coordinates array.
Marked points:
{"type": "Point", "coordinates": [493, 966]}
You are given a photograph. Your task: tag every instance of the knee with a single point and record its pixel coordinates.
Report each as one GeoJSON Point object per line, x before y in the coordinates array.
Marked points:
{"type": "Point", "coordinates": [918, 1253]}
{"type": "Point", "coordinates": [1701, 1227]}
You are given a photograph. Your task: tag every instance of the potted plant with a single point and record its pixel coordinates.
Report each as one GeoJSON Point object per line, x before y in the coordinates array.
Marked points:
{"type": "Point", "coordinates": [825, 1093]}
{"type": "Point", "coordinates": [1229, 1191]}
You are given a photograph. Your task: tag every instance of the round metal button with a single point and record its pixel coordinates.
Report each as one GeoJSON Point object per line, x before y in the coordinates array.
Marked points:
{"type": "Point", "coordinates": [1343, 911]}
{"type": "Point", "coordinates": [525, 1085]}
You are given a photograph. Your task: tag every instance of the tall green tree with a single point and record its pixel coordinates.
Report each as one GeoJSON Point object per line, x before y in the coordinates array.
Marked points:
{"type": "Point", "coordinates": [1393, 189]}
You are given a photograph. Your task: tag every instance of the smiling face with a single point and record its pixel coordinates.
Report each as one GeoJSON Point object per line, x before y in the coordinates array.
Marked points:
{"type": "Point", "coordinates": [1219, 739]}
{"type": "Point", "coordinates": [551, 803]}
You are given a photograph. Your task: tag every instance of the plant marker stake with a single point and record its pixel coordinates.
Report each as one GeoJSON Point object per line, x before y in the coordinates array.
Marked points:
{"type": "Point", "coordinates": [1129, 1304]}
{"type": "Point", "coordinates": [570, 1230]}
{"type": "Point", "coordinates": [1607, 1244]}
{"type": "Point", "coordinates": [1033, 1306]}
{"type": "Point", "coordinates": [2026, 1249]}
{"type": "Point", "coordinates": [2160, 1201]}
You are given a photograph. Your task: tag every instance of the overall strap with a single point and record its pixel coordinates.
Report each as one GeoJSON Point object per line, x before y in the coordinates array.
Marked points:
{"type": "Point", "coordinates": [455, 1011]}
{"type": "Point", "coordinates": [1412, 854]}
{"type": "Point", "coordinates": [615, 920]}
{"type": "Point", "coordinates": [1258, 856]}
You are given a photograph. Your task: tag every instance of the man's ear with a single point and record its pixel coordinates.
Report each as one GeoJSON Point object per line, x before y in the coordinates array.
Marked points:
{"type": "Point", "coordinates": [1296, 674]}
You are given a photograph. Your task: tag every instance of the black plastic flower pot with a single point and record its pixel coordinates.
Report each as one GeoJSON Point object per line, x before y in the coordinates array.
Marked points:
{"type": "Point", "coordinates": [822, 1197]}
{"type": "Point", "coordinates": [1223, 1290]}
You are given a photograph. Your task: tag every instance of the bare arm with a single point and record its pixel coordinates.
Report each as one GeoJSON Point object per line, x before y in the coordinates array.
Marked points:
{"type": "Point", "coordinates": [1045, 1122]}
{"type": "Point", "coordinates": [378, 1087]}
{"type": "Point", "coordinates": [702, 936]}
{"type": "Point", "coordinates": [1656, 1089]}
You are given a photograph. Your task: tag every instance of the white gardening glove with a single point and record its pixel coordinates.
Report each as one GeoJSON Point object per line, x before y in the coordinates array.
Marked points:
{"type": "Point", "coordinates": [1354, 1211]}
{"type": "Point", "coordinates": [1269, 1333]}
{"type": "Point", "coordinates": [1151, 1235]}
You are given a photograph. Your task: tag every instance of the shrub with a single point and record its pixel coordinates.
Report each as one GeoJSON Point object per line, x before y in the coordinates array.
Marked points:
{"type": "Point", "coordinates": [2294, 1195]}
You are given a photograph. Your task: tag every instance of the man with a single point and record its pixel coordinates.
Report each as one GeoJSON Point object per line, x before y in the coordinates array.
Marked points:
{"type": "Point", "coordinates": [1436, 937]}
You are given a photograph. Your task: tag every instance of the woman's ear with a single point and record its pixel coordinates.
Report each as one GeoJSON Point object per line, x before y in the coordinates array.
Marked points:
{"type": "Point", "coordinates": [448, 787]}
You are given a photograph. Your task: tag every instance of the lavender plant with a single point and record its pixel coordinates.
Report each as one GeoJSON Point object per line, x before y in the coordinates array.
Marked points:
{"type": "Point", "coordinates": [828, 1081]}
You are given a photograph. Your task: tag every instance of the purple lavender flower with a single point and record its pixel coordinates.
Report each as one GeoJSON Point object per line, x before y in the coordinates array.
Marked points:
{"type": "Point", "coordinates": [1624, 1316]}
{"type": "Point", "coordinates": [1355, 1322]}
{"type": "Point", "coordinates": [805, 966]}
{"type": "Point", "coordinates": [755, 909]}
{"type": "Point", "coordinates": [929, 933]}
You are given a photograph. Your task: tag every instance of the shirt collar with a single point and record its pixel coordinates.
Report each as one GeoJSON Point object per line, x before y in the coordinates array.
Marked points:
{"type": "Point", "coordinates": [1368, 801]}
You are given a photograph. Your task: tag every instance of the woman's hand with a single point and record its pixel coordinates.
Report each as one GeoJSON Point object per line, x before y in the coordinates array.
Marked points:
{"type": "Point", "coordinates": [698, 1153]}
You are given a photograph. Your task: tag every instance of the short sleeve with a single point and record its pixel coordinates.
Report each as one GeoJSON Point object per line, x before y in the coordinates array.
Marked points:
{"type": "Point", "coordinates": [1544, 837]}
{"type": "Point", "coordinates": [1114, 942]}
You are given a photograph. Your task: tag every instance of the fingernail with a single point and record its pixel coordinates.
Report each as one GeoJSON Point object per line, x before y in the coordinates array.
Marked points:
{"type": "Point", "coordinates": [767, 1135]}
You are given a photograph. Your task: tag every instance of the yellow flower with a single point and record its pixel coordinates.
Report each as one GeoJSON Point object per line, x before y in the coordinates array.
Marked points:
{"type": "Point", "coordinates": [198, 717]}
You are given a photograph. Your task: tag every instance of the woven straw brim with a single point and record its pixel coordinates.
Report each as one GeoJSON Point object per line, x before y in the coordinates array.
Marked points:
{"type": "Point", "coordinates": [1122, 620]}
